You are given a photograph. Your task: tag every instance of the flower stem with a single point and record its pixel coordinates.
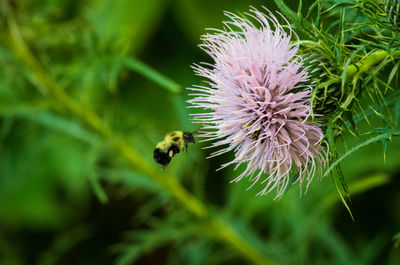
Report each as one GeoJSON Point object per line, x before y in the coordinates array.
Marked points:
{"type": "Point", "coordinates": [51, 88]}
{"type": "Point", "coordinates": [368, 62]}
{"type": "Point", "coordinates": [362, 66]}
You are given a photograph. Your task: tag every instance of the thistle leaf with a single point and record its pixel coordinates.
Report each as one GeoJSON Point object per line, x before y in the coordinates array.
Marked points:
{"type": "Point", "coordinates": [151, 74]}
{"type": "Point", "coordinates": [50, 120]}
{"type": "Point", "coordinates": [384, 142]}
{"type": "Point", "coordinates": [304, 26]}
{"type": "Point", "coordinates": [396, 113]}
{"type": "Point", "coordinates": [396, 239]}
{"type": "Point", "coordinates": [356, 148]}
{"type": "Point", "coordinates": [97, 188]}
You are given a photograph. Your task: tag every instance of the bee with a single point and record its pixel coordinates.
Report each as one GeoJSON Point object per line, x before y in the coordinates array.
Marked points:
{"type": "Point", "coordinates": [172, 144]}
{"type": "Point", "coordinates": [254, 135]}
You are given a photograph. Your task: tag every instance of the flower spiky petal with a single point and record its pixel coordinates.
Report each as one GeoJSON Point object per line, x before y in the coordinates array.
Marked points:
{"type": "Point", "coordinates": [255, 109]}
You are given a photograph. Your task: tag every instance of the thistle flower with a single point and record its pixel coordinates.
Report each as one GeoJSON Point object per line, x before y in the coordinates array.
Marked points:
{"type": "Point", "coordinates": [258, 101]}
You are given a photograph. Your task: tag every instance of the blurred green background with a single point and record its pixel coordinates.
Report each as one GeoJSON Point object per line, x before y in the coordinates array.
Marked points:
{"type": "Point", "coordinates": [66, 197]}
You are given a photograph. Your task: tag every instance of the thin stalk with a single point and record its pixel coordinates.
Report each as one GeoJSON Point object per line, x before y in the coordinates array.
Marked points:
{"type": "Point", "coordinates": [368, 62]}
{"type": "Point", "coordinates": [49, 87]}
{"type": "Point", "coordinates": [363, 66]}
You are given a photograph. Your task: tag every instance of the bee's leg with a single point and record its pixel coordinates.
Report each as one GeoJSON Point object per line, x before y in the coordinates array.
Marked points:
{"type": "Point", "coordinates": [173, 150]}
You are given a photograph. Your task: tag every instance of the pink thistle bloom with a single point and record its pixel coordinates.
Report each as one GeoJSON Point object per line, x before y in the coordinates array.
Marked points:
{"type": "Point", "coordinates": [259, 102]}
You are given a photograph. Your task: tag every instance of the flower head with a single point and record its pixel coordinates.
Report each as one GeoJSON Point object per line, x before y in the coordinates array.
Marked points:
{"type": "Point", "coordinates": [259, 105]}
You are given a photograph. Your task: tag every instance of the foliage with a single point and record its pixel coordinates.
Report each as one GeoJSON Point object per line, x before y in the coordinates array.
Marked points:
{"type": "Point", "coordinates": [88, 88]}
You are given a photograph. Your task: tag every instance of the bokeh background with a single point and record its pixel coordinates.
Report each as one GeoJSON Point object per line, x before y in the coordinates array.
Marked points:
{"type": "Point", "coordinates": [66, 197]}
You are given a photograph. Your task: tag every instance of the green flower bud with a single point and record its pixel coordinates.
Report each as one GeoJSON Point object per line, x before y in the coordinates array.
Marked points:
{"type": "Point", "coordinates": [324, 99]}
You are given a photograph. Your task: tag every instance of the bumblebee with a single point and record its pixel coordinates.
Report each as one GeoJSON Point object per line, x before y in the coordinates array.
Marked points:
{"type": "Point", "coordinates": [254, 135]}
{"type": "Point", "coordinates": [172, 144]}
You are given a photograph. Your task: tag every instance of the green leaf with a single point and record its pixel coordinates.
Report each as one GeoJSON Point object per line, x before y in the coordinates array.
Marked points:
{"type": "Point", "coordinates": [382, 116]}
{"type": "Point", "coordinates": [154, 76]}
{"type": "Point", "coordinates": [396, 113]}
{"type": "Point", "coordinates": [63, 243]}
{"type": "Point", "coordinates": [396, 239]}
{"type": "Point", "coordinates": [358, 186]}
{"type": "Point", "coordinates": [348, 62]}
{"type": "Point", "coordinates": [356, 148]}
{"type": "Point", "coordinates": [97, 188]}
{"type": "Point", "coordinates": [130, 179]}
{"type": "Point", "coordinates": [171, 230]}
{"type": "Point", "coordinates": [298, 24]}
{"type": "Point", "coordinates": [49, 119]}
{"type": "Point", "coordinates": [113, 75]}
{"type": "Point", "coordinates": [392, 99]}
{"type": "Point", "coordinates": [384, 142]}
{"type": "Point", "coordinates": [344, 187]}
{"type": "Point", "coordinates": [393, 73]}
{"type": "Point", "coordinates": [124, 25]}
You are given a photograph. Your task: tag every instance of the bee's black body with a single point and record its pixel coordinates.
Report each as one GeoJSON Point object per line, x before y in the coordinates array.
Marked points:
{"type": "Point", "coordinates": [171, 145]}
{"type": "Point", "coordinates": [164, 158]}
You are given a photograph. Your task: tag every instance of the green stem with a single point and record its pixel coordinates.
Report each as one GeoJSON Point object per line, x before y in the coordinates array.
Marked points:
{"type": "Point", "coordinates": [152, 75]}
{"type": "Point", "coordinates": [368, 62]}
{"type": "Point", "coordinates": [227, 234]}
{"type": "Point", "coordinates": [363, 66]}
{"type": "Point", "coordinates": [48, 86]}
